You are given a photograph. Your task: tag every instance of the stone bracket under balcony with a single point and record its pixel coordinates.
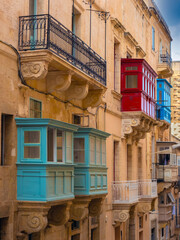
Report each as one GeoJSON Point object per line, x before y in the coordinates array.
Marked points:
{"type": "Point", "coordinates": [120, 216]}
{"type": "Point", "coordinates": [50, 74]}
{"type": "Point", "coordinates": [34, 217]}
{"type": "Point", "coordinates": [136, 125]}
{"type": "Point", "coordinates": [164, 70]}
{"type": "Point", "coordinates": [144, 206]}
{"type": "Point", "coordinates": [31, 218]}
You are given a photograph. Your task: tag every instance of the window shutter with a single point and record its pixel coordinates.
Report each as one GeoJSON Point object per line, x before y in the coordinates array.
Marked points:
{"type": "Point", "coordinates": [173, 159]}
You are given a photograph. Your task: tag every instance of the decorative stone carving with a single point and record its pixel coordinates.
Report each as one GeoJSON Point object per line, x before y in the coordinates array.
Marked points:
{"type": "Point", "coordinates": [93, 99]}
{"type": "Point", "coordinates": [79, 210]}
{"type": "Point", "coordinates": [136, 125]}
{"type": "Point", "coordinates": [95, 207]}
{"type": "Point", "coordinates": [58, 81]}
{"type": "Point", "coordinates": [77, 91]}
{"type": "Point", "coordinates": [31, 222]}
{"type": "Point", "coordinates": [34, 70]}
{"type": "Point", "coordinates": [144, 207]}
{"type": "Point", "coordinates": [59, 215]}
{"type": "Point", "coordinates": [120, 215]}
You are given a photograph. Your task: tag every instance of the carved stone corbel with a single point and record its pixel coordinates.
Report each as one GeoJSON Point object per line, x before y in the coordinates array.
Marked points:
{"type": "Point", "coordinates": [93, 99]}
{"type": "Point", "coordinates": [144, 207]}
{"type": "Point", "coordinates": [95, 207]}
{"type": "Point", "coordinates": [77, 91]}
{"type": "Point", "coordinates": [120, 215]}
{"type": "Point", "coordinates": [31, 222]}
{"type": "Point", "coordinates": [58, 81]}
{"type": "Point", "coordinates": [79, 210]}
{"type": "Point", "coordinates": [59, 215]}
{"type": "Point", "coordinates": [34, 70]}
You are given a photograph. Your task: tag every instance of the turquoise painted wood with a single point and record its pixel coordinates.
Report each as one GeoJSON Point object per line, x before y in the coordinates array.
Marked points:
{"type": "Point", "coordinates": [91, 174]}
{"type": "Point", "coordinates": [163, 100]}
{"type": "Point", "coordinates": [37, 178]}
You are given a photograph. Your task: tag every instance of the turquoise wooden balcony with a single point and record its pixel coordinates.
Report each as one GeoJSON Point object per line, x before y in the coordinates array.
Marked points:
{"type": "Point", "coordinates": [45, 166]}
{"type": "Point", "coordinates": [90, 162]}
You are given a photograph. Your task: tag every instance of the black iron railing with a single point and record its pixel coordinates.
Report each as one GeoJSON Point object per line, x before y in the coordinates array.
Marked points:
{"type": "Point", "coordinates": [45, 32]}
{"type": "Point", "coordinates": [164, 57]}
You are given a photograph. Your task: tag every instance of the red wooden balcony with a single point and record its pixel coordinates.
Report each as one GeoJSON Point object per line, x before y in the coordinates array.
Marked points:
{"type": "Point", "coordinates": [138, 86]}
{"type": "Point", "coordinates": [138, 97]}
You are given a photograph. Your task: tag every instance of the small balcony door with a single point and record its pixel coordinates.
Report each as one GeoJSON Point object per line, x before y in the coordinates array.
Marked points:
{"type": "Point", "coordinates": [33, 24]}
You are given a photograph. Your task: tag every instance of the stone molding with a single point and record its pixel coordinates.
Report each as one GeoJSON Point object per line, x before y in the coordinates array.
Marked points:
{"type": "Point", "coordinates": [120, 215]}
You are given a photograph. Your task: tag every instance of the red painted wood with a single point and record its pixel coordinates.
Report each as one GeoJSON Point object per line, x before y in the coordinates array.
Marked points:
{"type": "Point", "coordinates": [141, 98]}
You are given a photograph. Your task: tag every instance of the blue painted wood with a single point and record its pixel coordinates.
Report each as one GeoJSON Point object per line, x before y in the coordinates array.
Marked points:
{"type": "Point", "coordinates": [91, 177]}
{"type": "Point", "coordinates": [38, 179]}
{"type": "Point", "coordinates": [163, 100]}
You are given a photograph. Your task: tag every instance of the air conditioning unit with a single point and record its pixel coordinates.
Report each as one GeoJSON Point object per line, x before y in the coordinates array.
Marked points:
{"type": "Point", "coordinates": [80, 119]}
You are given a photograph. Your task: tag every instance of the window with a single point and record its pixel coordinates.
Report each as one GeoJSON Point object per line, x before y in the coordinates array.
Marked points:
{"type": "Point", "coordinates": [140, 222]}
{"type": "Point", "coordinates": [32, 7]}
{"type": "Point", "coordinates": [79, 147]}
{"type": "Point", "coordinates": [161, 199]}
{"type": "Point", "coordinates": [162, 232]}
{"type": "Point", "coordinates": [97, 151]}
{"type": "Point", "coordinates": [55, 145]}
{"type": "Point", "coordinates": [153, 39]}
{"type": "Point", "coordinates": [75, 225]}
{"type": "Point", "coordinates": [75, 237]}
{"type": "Point", "coordinates": [35, 108]}
{"type": "Point", "coordinates": [6, 129]}
{"type": "Point", "coordinates": [135, 68]}
{"type": "Point", "coordinates": [160, 97]}
{"type": "Point", "coordinates": [116, 67]}
{"type": "Point", "coordinates": [32, 144]}
{"type": "Point", "coordinates": [131, 81]}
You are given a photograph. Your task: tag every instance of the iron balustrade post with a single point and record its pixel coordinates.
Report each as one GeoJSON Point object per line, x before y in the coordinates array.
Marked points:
{"type": "Point", "coordinates": [48, 32]}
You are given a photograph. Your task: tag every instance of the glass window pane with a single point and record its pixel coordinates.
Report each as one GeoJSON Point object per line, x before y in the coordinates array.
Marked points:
{"type": "Point", "coordinates": [31, 136]}
{"type": "Point", "coordinates": [131, 81]}
{"type": "Point", "coordinates": [79, 153]}
{"type": "Point", "coordinates": [131, 68]}
{"type": "Point", "coordinates": [35, 108]}
{"type": "Point", "coordinates": [68, 146]}
{"type": "Point", "coordinates": [59, 142]}
{"type": "Point", "coordinates": [103, 152]}
{"type": "Point", "coordinates": [98, 151]}
{"type": "Point", "coordinates": [92, 150]}
{"type": "Point", "coordinates": [32, 152]}
{"type": "Point", "coordinates": [50, 143]}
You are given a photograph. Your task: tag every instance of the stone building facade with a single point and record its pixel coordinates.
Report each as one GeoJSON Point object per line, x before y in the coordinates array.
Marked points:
{"type": "Point", "coordinates": [74, 164]}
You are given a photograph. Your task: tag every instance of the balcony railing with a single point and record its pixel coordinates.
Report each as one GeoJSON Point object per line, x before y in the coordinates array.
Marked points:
{"type": "Point", "coordinates": [45, 32]}
{"type": "Point", "coordinates": [164, 57]}
{"type": "Point", "coordinates": [132, 191]}
{"type": "Point", "coordinates": [147, 188]}
{"type": "Point", "coordinates": [177, 217]}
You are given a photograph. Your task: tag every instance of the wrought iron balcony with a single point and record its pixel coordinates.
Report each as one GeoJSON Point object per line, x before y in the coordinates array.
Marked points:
{"type": "Point", "coordinates": [129, 192]}
{"type": "Point", "coordinates": [45, 32]}
{"type": "Point", "coordinates": [164, 57]}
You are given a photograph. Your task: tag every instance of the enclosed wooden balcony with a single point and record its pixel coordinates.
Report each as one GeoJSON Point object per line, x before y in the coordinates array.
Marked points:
{"type": "Point", "coordinates": [45, 168]}
{"type": "Point", "coordinates": [164, 67]}
{"type": "Point", "coordinates": [165, 212]}
{"type": "Point", "coordinates": [62, 63]}
{"type": "Point", "coordinates": [138, 97]}
{"type": "Point", "coordinates": [167, 173]}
